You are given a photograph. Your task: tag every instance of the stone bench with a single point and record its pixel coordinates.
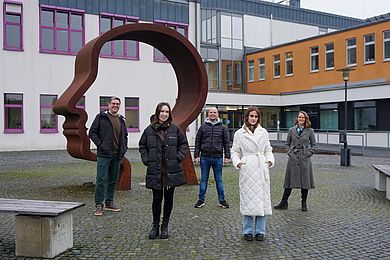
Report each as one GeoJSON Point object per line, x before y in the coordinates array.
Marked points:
{"type": "Point", "coordinates": [382, 179]}
{"type": "Point", "coordinates": [43, 228]}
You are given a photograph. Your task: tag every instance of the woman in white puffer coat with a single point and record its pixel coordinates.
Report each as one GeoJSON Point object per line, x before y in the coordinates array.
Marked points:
{"type": "Point", "coordinates": [252, 155]}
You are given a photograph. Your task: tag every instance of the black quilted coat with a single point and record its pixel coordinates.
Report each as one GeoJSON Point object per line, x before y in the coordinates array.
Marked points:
{"type": "Point", "coordinates": [172, 150]}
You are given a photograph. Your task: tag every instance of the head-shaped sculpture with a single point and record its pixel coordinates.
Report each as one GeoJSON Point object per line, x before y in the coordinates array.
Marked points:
{"type": "Point", "coordinates": [185, 60]}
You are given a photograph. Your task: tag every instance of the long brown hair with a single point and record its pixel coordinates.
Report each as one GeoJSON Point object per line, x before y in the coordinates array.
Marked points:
{"type": "Point", "coordinates": [246, 117]}
{"type": "Point", "coordinates": [158, 110]}
{"type": "Point", "coordinates": [307, 119]}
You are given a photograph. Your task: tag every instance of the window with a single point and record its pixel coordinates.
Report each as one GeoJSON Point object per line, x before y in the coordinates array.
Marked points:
{"type": "Point", "coordinates": [125, 49]}
{"type": "Point", "coordinates": [13, 26]}
{"type": "Point", "coordinates": [238, 66]}
{"type": "Point", "coordinates": [104, 101]}
{"type": "Point", "coordinates": [229, 74]}
{"type": "Point", "coordinates": [132, 113]}
{"type": "Point", "coordinates": [289, 64]}
{"type": "Point", "coordinates": [231, 31]}
{"type": "Point", "coordinates": [314, 59]}
{"type": "Point", "coordinates": [329, 116]}
{"type": "Point", "coordinates": [262, 69]}
{"type": "Point", "coordinates": [13, 113]}
{"type": "Point", "coordinates": [289, 114]}
{"type": "Point", "coordinates": [49, 120]}
{"type": "Point", "coordinates": [81, 103]}
{"type": "Point", "coordinates": [251, 71]}
{"type": "Point", "coordinates": [276, 66]}
{"type": "Point", "coordinates": [180, 28]}
{"type": "Point", "coordinates": [365, 115]}
{"type": "Point", "coordinates": [61, 30]}
{"type": "Point", "coordinates": [386, 45]}
{"type": "Point", "coordinates": [351, 52]}
{"type": "Point", "coordinates": [369, 48]}
{"type": "Point", "coordinates": [209, 26]}
{"type": "Point", "coordinates": [329, 56]}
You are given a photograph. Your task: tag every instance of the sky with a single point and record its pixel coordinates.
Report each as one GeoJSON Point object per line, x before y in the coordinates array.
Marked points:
{"type": "Point", "coordinates": [354, 8]}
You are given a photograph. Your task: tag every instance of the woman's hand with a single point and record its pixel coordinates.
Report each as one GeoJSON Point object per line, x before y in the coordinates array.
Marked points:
{"type": "Point", "coordinates": [240, 164]}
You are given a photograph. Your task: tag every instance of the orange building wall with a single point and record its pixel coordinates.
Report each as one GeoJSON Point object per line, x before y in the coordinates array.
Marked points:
{"type": "Point", "coordinates": [304, 79]}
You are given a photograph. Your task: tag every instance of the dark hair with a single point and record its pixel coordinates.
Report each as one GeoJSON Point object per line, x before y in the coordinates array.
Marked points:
{"type": "Point", "coordinates": [114, 98]}
{"type": "Point", "coordinates": [307, 120]}
{"type": "Point", "coordinates": [246, 117]}
{"type": "Point", "coordinates": [158, 110]}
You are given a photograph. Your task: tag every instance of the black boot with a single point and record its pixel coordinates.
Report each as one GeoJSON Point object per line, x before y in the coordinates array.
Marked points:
{"type": "Point", "coordinates": [164, 230]}
{"type": "Point", "coordinates": [284, 204]}
{"type": "Point", "coordinates": [304, 207]}
{"type": "Point", "coordinates": [155, 231]}
{"type": "Point", "coordinates": [304, 193]}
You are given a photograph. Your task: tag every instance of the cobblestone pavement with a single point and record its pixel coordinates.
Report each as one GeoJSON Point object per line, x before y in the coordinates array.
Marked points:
{"type": "Point", "coordinates": [346, 218]}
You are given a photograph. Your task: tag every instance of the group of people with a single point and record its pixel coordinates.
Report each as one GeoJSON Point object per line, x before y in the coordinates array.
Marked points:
{"type": "Point", "coordinates": [163, 147]}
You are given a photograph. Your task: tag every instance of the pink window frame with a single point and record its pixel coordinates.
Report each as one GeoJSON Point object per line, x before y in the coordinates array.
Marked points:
{"type": "Point", "coordinates": [5, 23]}
{"type": "Point", "coordinates": [166, 23]}
{"type": "Point", "coordinates": [13, 130]}
{"type": "Point", "coordinates": [133, 129]}
{"type": "Point", "coordinates": [124, 19]}
{"type": "Point", "coordinates": [45, 130]}
{"type": "Point", "coordinates": [70, 11]}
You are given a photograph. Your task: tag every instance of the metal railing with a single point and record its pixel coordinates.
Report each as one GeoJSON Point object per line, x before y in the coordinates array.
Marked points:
{"type": "Point", "coordinates": [363, 139]}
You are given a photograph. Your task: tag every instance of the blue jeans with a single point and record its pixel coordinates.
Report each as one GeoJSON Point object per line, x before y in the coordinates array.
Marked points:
{"type": "Point", "coordinates": [106, 177]}
{"type": "Point", "coordinates": [206, 162]}
{"type": "Point", "coordinates": [248, 225]}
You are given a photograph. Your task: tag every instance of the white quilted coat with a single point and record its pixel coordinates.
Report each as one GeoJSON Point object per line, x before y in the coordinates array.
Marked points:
{"type": "Point", "coordinates": [254, 150]}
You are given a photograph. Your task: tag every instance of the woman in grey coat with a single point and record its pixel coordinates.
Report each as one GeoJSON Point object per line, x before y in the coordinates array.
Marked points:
{"type": "Point", "coordinates": [299, 172]}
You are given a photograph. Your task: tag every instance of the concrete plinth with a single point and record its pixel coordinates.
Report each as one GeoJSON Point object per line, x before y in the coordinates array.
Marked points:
{"type": "Point", "coordinates": [44, 237]}
{"type": "Point", "coordinates": [380, 181]}
{"type": "Point", "coordinates": [388, 188]}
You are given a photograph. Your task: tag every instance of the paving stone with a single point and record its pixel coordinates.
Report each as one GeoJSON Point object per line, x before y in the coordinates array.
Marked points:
{"type": "Point", "coordinates": [346, 218]}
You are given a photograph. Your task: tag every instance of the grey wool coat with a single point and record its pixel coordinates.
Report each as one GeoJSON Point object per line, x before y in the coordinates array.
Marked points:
{"type": "Point", "coordinates": [299, 171]}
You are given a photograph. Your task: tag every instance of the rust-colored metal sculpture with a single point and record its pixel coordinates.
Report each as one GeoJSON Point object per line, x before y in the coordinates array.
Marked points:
{"type": "Point", "coordinates": [190, 73]}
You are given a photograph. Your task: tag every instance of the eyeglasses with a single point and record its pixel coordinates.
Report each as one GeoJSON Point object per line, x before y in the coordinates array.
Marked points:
{"type": "Point", "coordinates": [115, 104]}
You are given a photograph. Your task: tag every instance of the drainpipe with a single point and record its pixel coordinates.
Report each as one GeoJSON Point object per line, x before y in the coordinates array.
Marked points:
{"type": "Point", "coordinates": [270, 30]}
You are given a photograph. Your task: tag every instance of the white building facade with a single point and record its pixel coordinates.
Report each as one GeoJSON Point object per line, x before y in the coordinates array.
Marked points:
{"type": "Point", "coordinates": [42, 37]}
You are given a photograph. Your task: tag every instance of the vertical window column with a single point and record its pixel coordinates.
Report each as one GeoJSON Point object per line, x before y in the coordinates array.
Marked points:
{"type": "Point", "coordinates": [277, 66]}
{"type": "Point", "coordinates": [132, 113]}
{"type": "Point", "coordinates": [262, 69]}
{"type": "Point", "coordinates": [13, 26]}
{"type": "Point", "coordinates": [13, 113]}
{"type": "Point", "coordinates": [351, 52]}
{"type": "Point", "coordinates": [49, 119]}
{"type": "Point", "coordinates": [289, 64]}
{"type": "Point", "coordinates": [229, 74]}
{"type": "Point", "coordinates": [104, 101]}
{"type": "Point", "coordinates": [237, 67]}
{"type": "Point", "coordinates": [314, 59]}
{"type": "Point", "coordinates": [81, 103]}
{"type": "Point", "coordinates": [329, 56]}
{"type": "Point", "coordinates": [386, 45]}
{"type": "Point", "coordinates": [369, 48]}
{"type": "Point", "coordinates": [251, 71]}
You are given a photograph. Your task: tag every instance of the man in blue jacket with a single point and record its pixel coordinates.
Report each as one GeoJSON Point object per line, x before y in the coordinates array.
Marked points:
{"type": "Point", "coordinates": [211, 142]}
{"type": "Point", "coordinates": [109, 133]}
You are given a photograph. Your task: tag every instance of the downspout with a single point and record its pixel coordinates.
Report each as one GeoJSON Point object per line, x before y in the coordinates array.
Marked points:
{"type": "Point", "coordinates": [270, 30]}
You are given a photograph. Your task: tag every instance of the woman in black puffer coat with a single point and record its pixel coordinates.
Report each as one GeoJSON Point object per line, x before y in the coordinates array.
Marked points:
{"type": "Point", "coordinates": [163, 147]}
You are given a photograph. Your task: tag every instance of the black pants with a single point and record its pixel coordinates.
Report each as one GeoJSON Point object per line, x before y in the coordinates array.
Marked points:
{"type": "Point", "coordinates": [287, 192]}
{"type": "Point", "coordinates": [158, 196]}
